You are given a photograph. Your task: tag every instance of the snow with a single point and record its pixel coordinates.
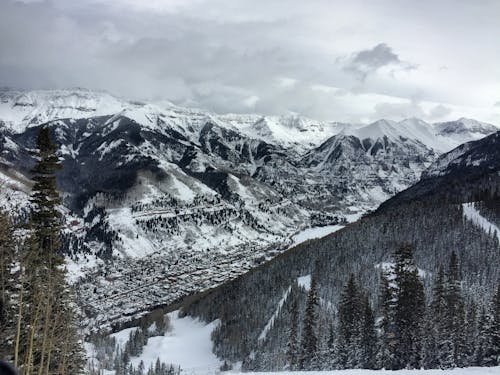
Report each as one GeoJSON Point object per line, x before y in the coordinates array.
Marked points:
{"type": "Point", "coordinates": [456, 371]}
{"type": "Point", "coordinates": [472, 214]}
{"type": "Point", "coordinates": [304, 281]}
{"type": "Point", "coordinates": [187, 344]}
{"type": "Point", "coordinates": [270, 322]}
{"type": "Point", "coordinates": [315, 232]}
{"type": "Point", "coordinates": [389, 267]}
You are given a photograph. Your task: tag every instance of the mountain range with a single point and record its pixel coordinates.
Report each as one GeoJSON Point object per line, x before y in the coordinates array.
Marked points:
{"type": "Point", "coordinates": [173, 191]}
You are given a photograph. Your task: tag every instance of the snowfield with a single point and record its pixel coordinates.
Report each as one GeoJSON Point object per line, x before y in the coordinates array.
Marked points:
{"type": "Point", "coordinates": [187, 345]}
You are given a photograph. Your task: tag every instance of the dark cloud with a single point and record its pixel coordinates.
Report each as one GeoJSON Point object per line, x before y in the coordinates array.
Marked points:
{"type": "Point", "coordinates": [368, 61]}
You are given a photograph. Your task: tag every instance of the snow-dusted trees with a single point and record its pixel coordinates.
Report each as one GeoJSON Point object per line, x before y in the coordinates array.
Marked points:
{"type": "Point", "coordinates": [409, 310]}
{"type": "Point", "coordinates": [363, 249]}
{"type": "Point", "coordinates": [7, 287]}
{"type": "Point", "coordinates": [46, 339]}
{"type": "Point", "coordinates": [349, 326]}
{"type": "Point", "coordinates": [309, 344]}
{"type": "Point", "coordinates": [292, 350]}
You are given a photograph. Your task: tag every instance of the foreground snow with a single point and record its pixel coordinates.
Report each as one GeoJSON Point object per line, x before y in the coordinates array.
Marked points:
{"type": "Point", "coordinates": [457, 371]}
{"type": "Point", "coordinates": [187, 345]}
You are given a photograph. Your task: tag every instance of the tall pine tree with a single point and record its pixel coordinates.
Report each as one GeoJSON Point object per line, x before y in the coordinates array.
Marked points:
{"type": "Point", "coordinates": [309, 344]}
{"type": "Point", "coordinates": [409, 310]}
{"type": "Point", "coordinates": [47, 341]}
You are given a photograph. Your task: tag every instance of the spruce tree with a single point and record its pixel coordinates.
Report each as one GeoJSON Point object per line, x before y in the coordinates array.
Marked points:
{"type": "Point", "coordinates": [368, 336]}
{"type": "Point", "coordinates": [47, 340]}
{"type": "Point", "coordinates": [309, 342]}
{"type": "Point", "coordinates": [435, 322]}
{"type": "Point", "coordinates": [451, 344]}
{"type": "Point", "coordinates": [493, 352]}
{"type": "Point", "coordinates": [349, 326]}
{"type": "Point", "coordinates": [409, 310]}
{"type": "Point", "coordinates": [7, 287]}
{"type": "Point", "coordinates": [386, 349]}
{"type": "Point", "coordinates": [292, 346]}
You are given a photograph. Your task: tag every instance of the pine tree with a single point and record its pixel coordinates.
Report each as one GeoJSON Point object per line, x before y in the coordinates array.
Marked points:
{"type": "Point", "coordinates": [492, 354]}
{"type": "Point", "coordinates": [387, 339]}
{"type": "Point", "coordinates": [7, 288]}
{"type": "Point", "coordinates": [451, 343]}
{"type": "Point", "coordinates": [349, 326]}
{"type": "Point", "coordinates": [409, 310]}
{"type": "Point", "coordinates": [368, 336]}
{"type": "Point", "coordinates": [47, 340]}
{"type": "Point", "coordinates": [309, 342]}
{"type": "Point", "coordinates": [470, 331]}
{"type": "Point", "coordinates": [434, 322]}
{"type": "Point", "coordinates": [292, 346]}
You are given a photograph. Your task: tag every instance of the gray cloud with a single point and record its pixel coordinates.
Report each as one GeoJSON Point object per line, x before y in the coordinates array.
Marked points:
{"type": "Point", "coordinates": [368, 61]}
{"type": "Point", "coordinates": [252, 55]}
{"type": "Point", "coordinates": [439, 112]}
{"type": "Point", "coordinates": [398, 111]}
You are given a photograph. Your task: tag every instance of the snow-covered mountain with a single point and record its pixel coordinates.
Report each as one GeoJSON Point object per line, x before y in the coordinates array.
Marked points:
{"type": "Point", "coordinates": [184, 191]}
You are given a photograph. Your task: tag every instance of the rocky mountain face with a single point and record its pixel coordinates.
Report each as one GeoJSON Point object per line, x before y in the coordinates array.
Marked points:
{"type": "Point", "coordinates": [176, 191]}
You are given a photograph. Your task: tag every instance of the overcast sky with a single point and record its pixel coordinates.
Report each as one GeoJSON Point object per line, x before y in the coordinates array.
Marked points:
{"type": "Point", "coordinates": [330, 60]}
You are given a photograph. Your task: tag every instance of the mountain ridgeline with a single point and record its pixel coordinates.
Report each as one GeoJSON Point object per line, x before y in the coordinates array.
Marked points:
{"type": "Point", "coordinates": [427, 257]}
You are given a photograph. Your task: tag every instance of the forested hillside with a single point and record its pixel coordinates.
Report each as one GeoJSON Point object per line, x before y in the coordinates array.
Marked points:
{"type": "Point", "coordinates": [423, 262]}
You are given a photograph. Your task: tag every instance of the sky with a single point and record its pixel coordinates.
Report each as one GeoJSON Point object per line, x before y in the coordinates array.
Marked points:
{"type": "Point", "coordinates": [350, 61]}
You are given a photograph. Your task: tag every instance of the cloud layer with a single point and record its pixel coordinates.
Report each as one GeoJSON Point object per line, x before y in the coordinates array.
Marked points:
{"type": "Point", "coordinates": [325, 59]}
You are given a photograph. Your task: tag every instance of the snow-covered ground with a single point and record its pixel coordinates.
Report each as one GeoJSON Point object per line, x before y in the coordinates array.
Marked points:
{"type": "Point", "coordinates": [315, 232]}
{"type": "Point", "coordinates": [471, 213]}
{"type": "Point", "coordinates": [457, 371]}
{"type": "Point", "coordinates": [187, 345]}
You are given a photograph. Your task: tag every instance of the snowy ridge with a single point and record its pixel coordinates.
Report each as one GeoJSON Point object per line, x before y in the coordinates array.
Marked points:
{"type": "Point", "coordinates": [472, 214]}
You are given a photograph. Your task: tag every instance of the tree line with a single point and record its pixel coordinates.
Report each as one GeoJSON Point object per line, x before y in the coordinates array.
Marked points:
{"type": "Point", "coordinates": [403, 331]}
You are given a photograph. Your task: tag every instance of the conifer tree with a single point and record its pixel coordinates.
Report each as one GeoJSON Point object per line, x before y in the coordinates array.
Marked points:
{"type": "Point", "coordinates": [368, 336]}
{"type": "Point", "coordinates": [386, 348]}
{"type": "Point", "coordinates": [292, 346]}
{"type": "Point", "coordinates": [309, 342]}
{"type": "Point", "coordinates": [349, 326]}
{"type": "Point", "coordinates": [451, 343]}
{"type": "Point", "coordinates": [492, 352]}
{"type": "Point", "coordinates": [434, 322]}
{"type": "Point", "coordinates": [47, 340]}
{"type": "Point", "coordinates": [409, 310]}
{"type": "Point", "coordinates": [7, 258]}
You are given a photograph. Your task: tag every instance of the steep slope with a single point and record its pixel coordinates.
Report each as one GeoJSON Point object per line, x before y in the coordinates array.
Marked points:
{"type": "Point", "coordinates": [470, 170]}
{"type": "Point", "coordinates": [434, 226]}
